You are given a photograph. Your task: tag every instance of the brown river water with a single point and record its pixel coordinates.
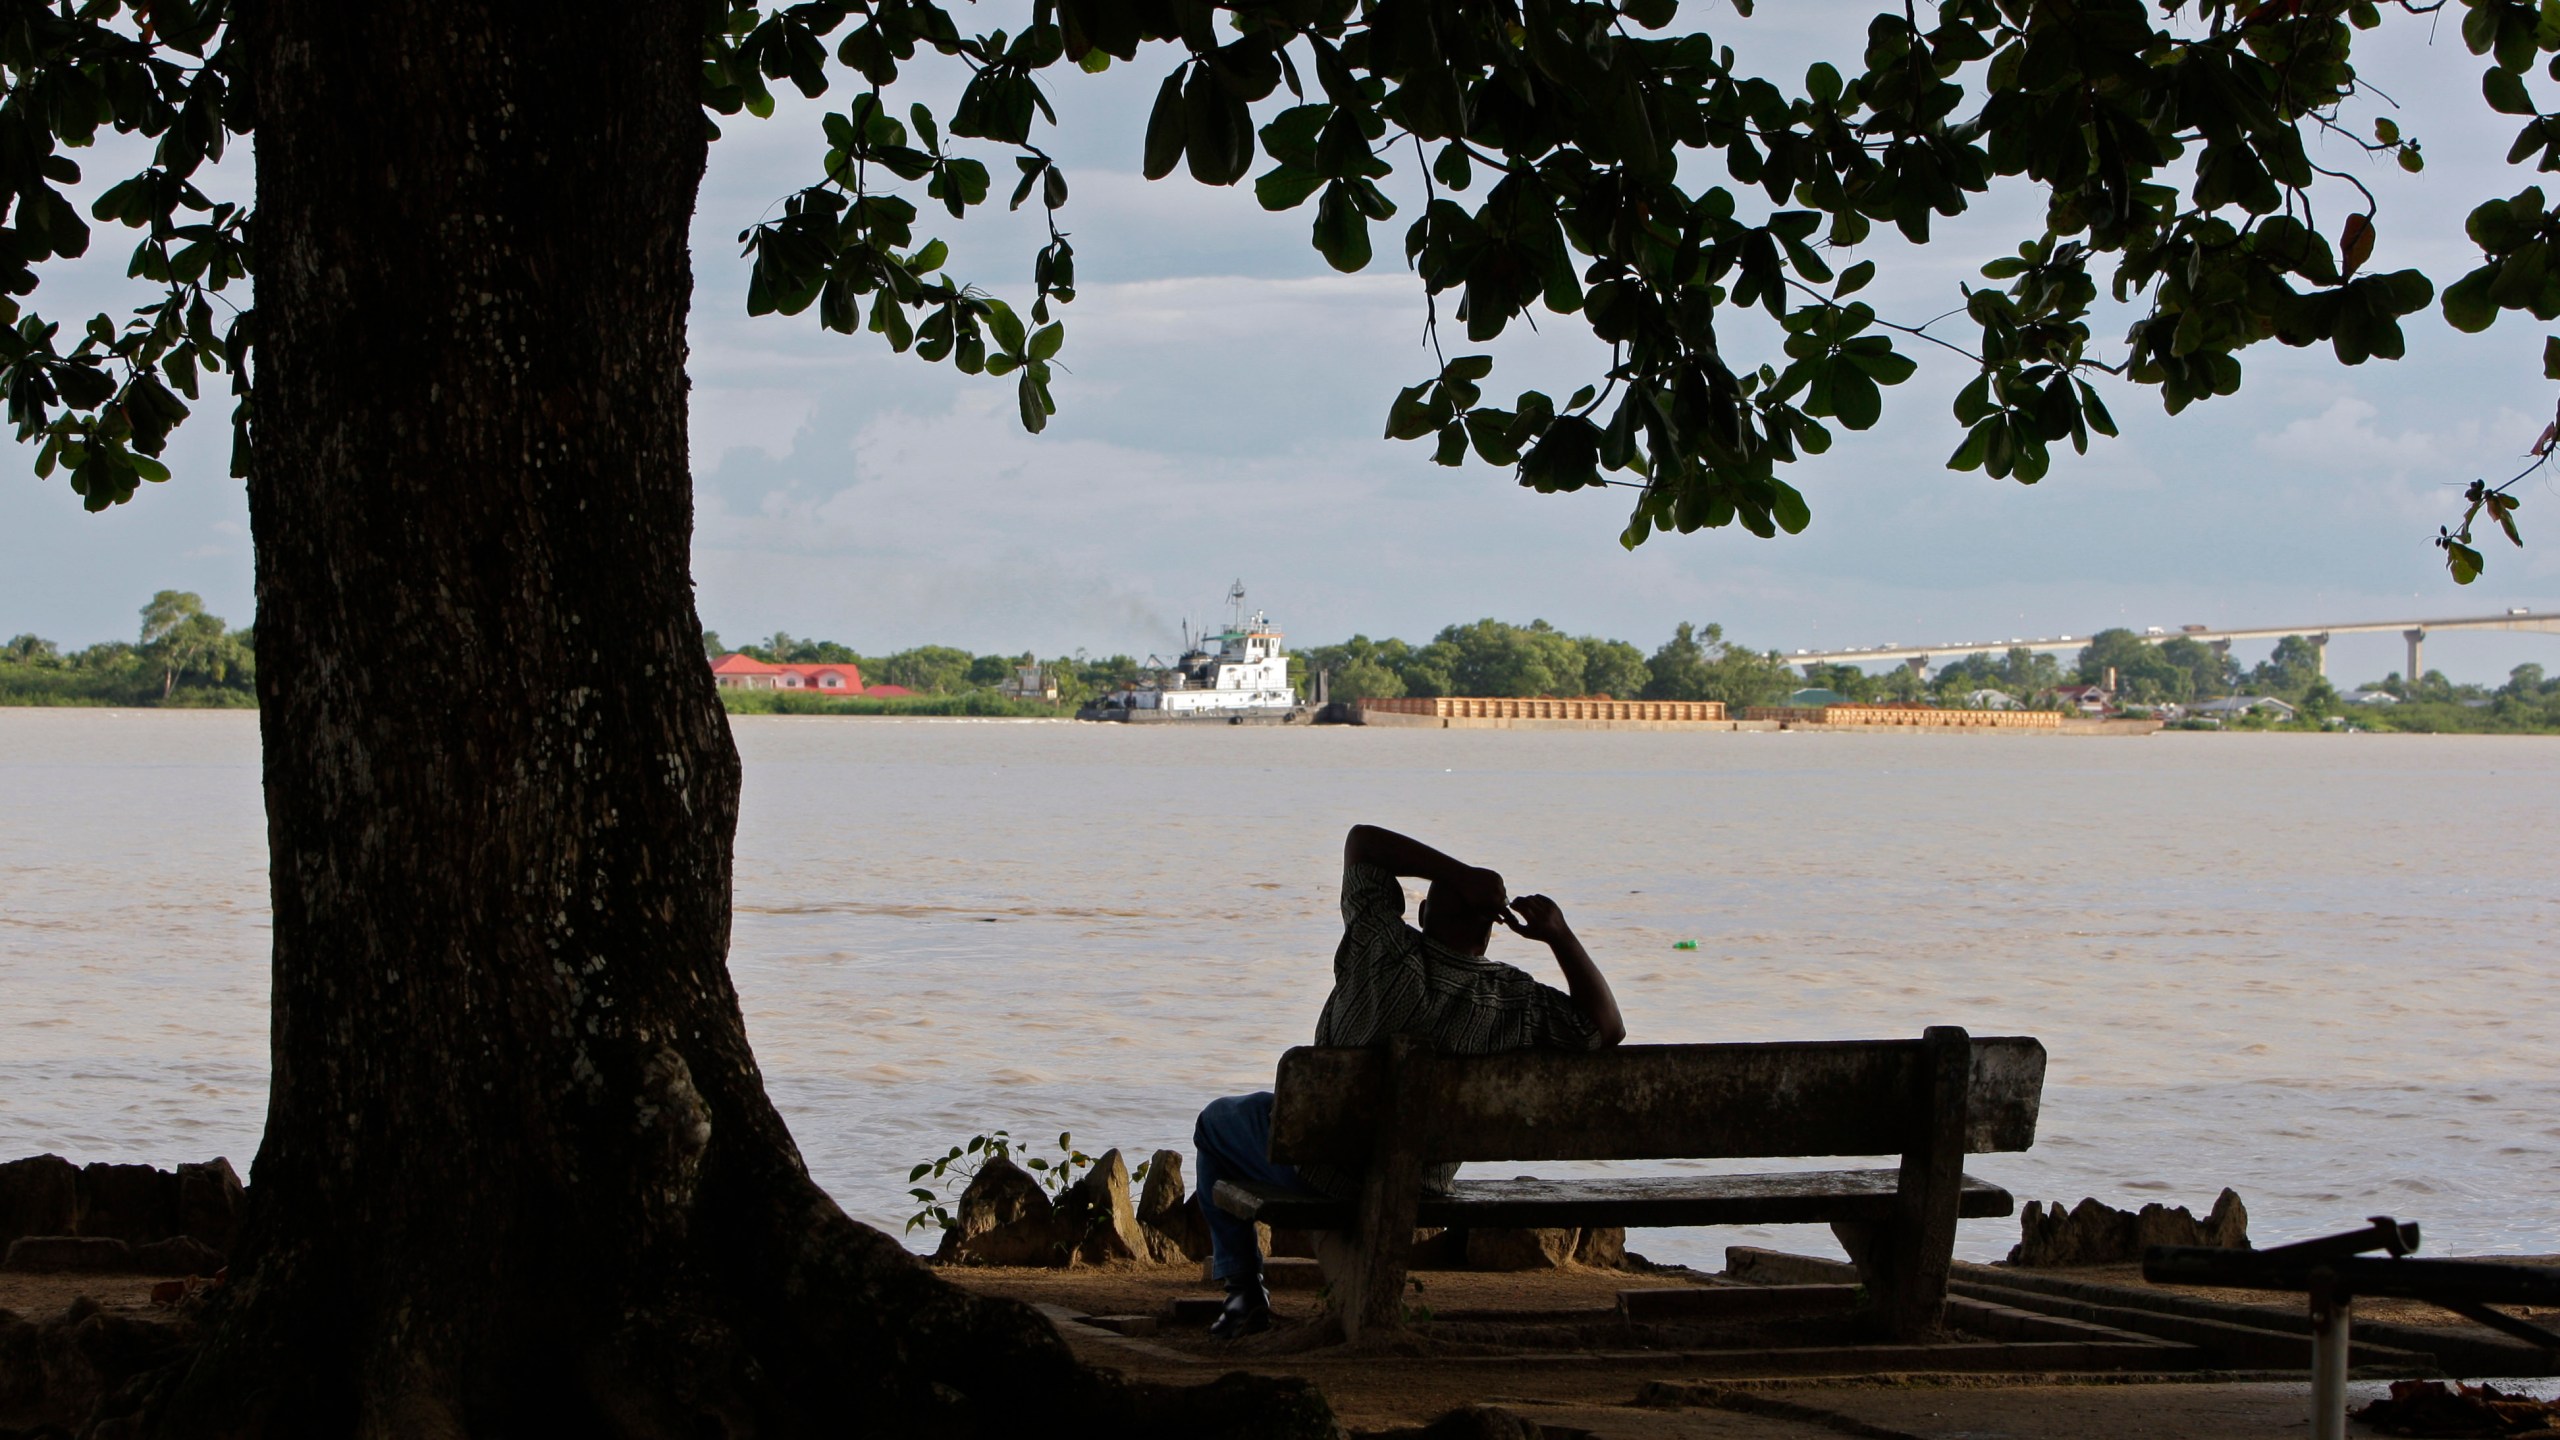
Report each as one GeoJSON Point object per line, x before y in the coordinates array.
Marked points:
{"type": "Point", "coordinates": [2316, 968]}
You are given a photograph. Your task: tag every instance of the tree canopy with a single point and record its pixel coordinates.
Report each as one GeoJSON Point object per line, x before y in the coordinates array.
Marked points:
{"type": "Point", "coordinates": [1568, 152]}
{"type": "Point", "coordinates": [183, 656]}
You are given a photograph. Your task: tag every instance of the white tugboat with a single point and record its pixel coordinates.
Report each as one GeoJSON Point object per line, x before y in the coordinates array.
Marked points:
{"type": "Point", "coordinates": [1245, 681]}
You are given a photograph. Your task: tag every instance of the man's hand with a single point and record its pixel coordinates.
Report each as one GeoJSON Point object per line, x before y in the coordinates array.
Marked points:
{"type": "Point", "coordinates": [1535, 917]}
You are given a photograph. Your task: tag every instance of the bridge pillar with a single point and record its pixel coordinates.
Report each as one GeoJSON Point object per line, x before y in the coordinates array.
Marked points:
{"type": "Point", "coordinates": [2417, 656]}
{"type": "Point", "coordinates": [1919, 666]}
{"type": "Point", "coordinates": [2319, 654]}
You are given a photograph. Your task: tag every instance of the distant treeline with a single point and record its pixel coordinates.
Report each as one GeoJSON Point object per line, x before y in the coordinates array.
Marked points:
{"type": "Point", "coordinates": [1495, 657]}
{"type": "Point", "coordinates": [1490, 657]}
{"type": "Point", "coordinates": [182, 656]}
{"type": "Point", "coordinates": [941, 675]}
{"type": "Point", "coordinates": [2180, 670]}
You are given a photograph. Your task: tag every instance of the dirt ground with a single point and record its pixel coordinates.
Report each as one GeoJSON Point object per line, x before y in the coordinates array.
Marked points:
{"type": "Point", "coordinates": [1603, 1395]}
{"type": "Point", "coordinates": [1620, 1395]}
{"type": "Point", "coordinates": [35, 1297]}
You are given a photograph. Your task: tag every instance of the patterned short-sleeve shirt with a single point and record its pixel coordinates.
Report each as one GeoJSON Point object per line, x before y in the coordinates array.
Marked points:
{"type": "Point", "coordinates": [1390, 978]}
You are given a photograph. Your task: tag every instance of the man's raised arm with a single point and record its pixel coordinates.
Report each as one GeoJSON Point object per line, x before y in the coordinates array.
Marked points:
{"type": "Point", "coordinates": [1402, 855]}
{"type": "Point", "coordinates": [1541, 919]}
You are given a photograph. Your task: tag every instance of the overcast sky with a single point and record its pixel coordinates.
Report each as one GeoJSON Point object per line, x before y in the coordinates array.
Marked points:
{"type": "Point", "coordinates": [1225, 392]}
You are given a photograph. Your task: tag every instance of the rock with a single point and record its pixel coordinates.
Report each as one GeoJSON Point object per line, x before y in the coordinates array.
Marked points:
{"type": "Point", "coordinates": [210, 1199]}
{"type": "Point", "coordinates": [133, 1203]}
{"type": "Point", "coordinates": [177, 1255]}
{"type": "Point", "coordinates": [39, 1195]}
{"type": "Point", "coordinates": [58, 1254]}
{"type": "Point", "coordinates": [1169, 1215]}
{"type": "Point", "coordinates": [1095, 1219]}
{"type": "Point", "coordinates": [1004, 1218]}
{"type": "Point", "coordinates": [1520, 1249]}
{"type": "Point", "coordinates": [2091, 1233]}
{"type": "Point", "coordinates": [1602, 1247]}
{"type": "Point", "coordinates": [2227, 1228]}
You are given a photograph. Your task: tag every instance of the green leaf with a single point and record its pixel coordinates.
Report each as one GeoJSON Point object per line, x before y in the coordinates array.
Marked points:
{"type": "Point", "coordinates": [1284, 188]}
{"type": "Point", "coordinates": [1452, 167]}
{"type": "Point", "coordinates": [1976, 448]}
{"type": "Point", "coordinates": [2505, 92]}
{"type": "Point", "coordinates": [1046, 340]}
{"type": "Point", "coordinates": [1036, 405]}
{"type": "Point", "coordinates": [1854, 397]}
{"type": "Point", "coordinates": [1165, 129]}
{"type": "Point", "coordinates": [1789, 508]}
{"type": "Point", "coordinates": [1412, 416]}
{"type": "Point", "coordinates": [2094, 410]}
{"type": "Point", "coordinates": [2467, 306]}
{"type": "Point", "coordinates": [1341, 231]}
{"type": "Point", "coordinates": [1217, 128]}
{"type": "Point", "coordinates": [1884, 366]}
{"type": "Point", "coordinates": [1006, 325]}
{"type": "Point", "coordinates": [1854, 279]}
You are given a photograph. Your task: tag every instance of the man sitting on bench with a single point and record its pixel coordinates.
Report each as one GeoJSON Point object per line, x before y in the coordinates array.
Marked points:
{"type": "Point", "coordinates": [1390, 978]}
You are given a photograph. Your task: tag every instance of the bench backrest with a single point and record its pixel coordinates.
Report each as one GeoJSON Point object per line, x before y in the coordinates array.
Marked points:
{"type": "Point", "coordinates": [1657, 1102]}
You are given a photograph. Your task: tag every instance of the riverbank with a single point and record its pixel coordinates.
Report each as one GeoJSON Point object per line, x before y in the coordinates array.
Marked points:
{"type": "Point", "coordinates": [1508, 1342]}
{"type": "Point", "coordinates": [1586, 1394]}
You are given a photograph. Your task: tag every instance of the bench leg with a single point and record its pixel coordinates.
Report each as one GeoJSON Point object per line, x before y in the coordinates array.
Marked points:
{"type": "Point", "coordinates": [1370, 1296]}
{"type": "Point", "coordinates": [1907, 1261]}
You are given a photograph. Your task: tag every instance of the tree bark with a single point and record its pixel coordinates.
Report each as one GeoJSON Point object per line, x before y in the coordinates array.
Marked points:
{"type": "Point", "coordinates": [520, 1174]}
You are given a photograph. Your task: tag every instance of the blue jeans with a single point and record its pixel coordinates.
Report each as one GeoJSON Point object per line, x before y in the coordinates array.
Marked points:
{"type": "Point", "coordinates": [1233, 1142]}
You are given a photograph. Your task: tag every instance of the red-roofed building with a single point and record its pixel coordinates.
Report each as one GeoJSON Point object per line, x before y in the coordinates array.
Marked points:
{"type": "Point", "coordinates": [745, 672]}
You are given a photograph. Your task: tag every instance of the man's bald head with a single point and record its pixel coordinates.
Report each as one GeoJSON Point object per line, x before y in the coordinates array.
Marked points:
{"type": "Point", "coordinates": [1449, 918]}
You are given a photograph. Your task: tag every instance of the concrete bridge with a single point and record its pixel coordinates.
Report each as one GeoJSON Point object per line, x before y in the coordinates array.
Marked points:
{"type": "Point", "coordinates": [2220, 638]}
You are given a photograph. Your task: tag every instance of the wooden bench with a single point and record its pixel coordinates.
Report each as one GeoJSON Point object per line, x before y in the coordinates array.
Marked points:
{"type": "Point", "coordinates": [1390, 1111]}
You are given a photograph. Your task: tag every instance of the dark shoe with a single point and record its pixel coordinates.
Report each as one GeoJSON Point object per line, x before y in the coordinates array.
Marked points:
{"type": "Point", "coordinates": [1248, 1309]}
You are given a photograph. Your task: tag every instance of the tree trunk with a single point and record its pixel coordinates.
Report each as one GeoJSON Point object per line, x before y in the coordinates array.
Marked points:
{"type": "Point", "coordinates": [520, 1174]}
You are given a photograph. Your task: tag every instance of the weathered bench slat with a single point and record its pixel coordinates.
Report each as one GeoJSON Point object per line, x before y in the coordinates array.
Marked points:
{"type": "Point", "coordinates": [1641, 1102]}
{"type": "Point", "coordinates": [1801, 1197]}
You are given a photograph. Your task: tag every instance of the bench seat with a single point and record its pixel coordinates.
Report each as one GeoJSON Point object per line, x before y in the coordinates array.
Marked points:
{"type": "Point", "coordinates": [1786, 1198]}
{"type": "Point", "coordinates": [1393, 1111]}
